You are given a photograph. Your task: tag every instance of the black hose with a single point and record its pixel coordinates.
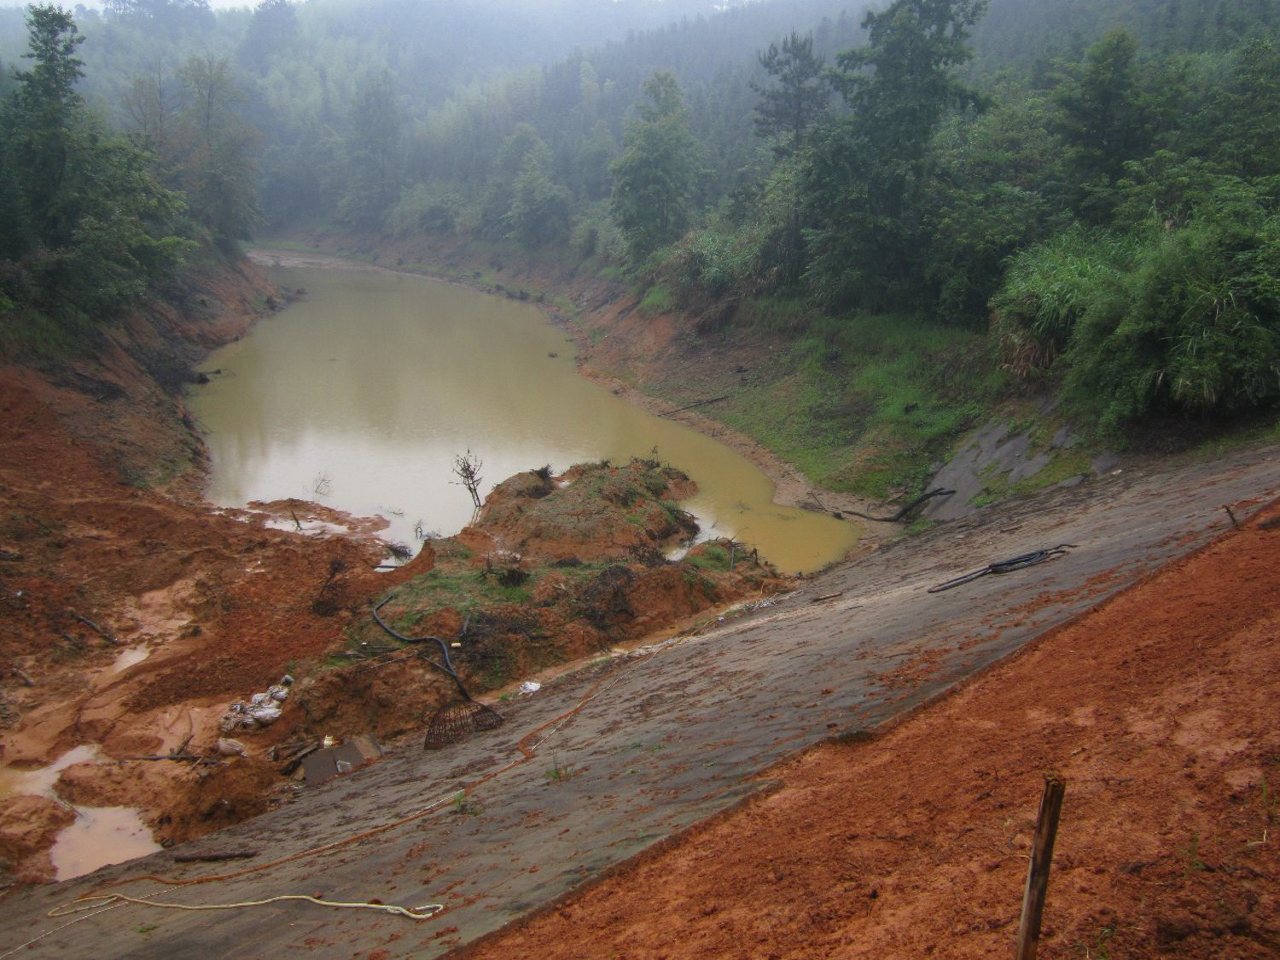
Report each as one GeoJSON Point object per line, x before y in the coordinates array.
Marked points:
{"type": "Point", "coordinates": [1006, 566]}
{"type": "Point", "coordinates": [936, 492]}
{"type": "Point", "coordinates": [446, 668]}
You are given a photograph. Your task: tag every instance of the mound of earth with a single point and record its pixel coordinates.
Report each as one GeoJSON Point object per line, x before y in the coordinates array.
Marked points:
{"type": "Point", "coordinates": [553, 569]}
{"type": "Point", "coordinates": [591, 512]}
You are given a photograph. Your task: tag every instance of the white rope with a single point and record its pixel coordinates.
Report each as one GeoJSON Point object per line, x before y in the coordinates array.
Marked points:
{"type": "Point", "coordinates": [49, 933]}
{"type": "Point", "coordinates": [111, 901]}
{"type": "Point", "coordinates": [425, 912]}
{"type": "Point", "coordinates": [94, 906]}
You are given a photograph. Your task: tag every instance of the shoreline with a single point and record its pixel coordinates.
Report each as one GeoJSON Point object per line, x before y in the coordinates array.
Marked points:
{"type": "Point", "coordinates": [790, 487]}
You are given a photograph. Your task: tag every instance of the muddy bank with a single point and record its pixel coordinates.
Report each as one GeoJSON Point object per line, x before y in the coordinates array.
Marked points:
{"type": "Point", "coordinates": [617, 346]}
{"type": "Point", "coordinates": [132, 609]}
{"type": "Point", "coordinates": [139, 612]}
{"type": "Point", "coordinates": [614, 760]}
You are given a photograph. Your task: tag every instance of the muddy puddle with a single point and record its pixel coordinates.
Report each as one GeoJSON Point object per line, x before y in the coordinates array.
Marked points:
{"type": "Point", "coordinates": [99, 835]}
{"type": "Point", "coordinates": [361, 395]}
{"type": "Point", "coordinates": [128, 657]}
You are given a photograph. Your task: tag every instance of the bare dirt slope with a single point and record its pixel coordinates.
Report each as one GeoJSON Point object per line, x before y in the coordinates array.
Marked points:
{"type": "Point", "coordinates": [134, 613]}
{"type": "Point", "coordinates": [105, 548]}
{"type": "Point", "coordinates": [1158, 709]}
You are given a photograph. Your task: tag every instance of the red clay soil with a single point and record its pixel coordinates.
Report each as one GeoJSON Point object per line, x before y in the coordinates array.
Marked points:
{"type": "Point", "coordinates": [106, 544]}
{"type": "Point", "coordinates": [90, 539]}
{"type": "Point", "coordinates": [1159, 710]}
{"type": "Point", "coordinates": [80, 542]}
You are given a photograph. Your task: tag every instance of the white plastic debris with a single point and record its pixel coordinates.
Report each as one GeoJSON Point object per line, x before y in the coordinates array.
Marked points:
{"type": "Point", "coordinates": [262, 710]}
{"type": "Point", "coordinates": [264, 715]}
{"type": "Point", "coordinates": [280, 692]}
{"type": "Point", "coordinates": [229, 748]}
{"type": "Point", "coordinates": [529, 688]}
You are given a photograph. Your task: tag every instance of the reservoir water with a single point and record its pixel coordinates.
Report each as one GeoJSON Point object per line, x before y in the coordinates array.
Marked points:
{"type": "Point", "coordinates": [361, 394]}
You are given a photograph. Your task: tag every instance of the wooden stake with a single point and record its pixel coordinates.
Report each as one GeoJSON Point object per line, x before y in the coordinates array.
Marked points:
{"type": "Point", "coordinates": [1038, 870]}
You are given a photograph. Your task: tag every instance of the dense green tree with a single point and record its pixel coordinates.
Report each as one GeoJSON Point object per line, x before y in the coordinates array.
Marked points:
{"type": "Point", "coordinates": [787, 112]}
{"type": "Point", "coordinates": [791, 107]}
{"type": "Point", "coordinates": [42, 121]}
{"type": "Point", "coordinates": [901, 83]}
{"type": "Point", "coordinates": [522, 152]}
{"type": "Point", "coordinates": [867, 173]}
{"type": "Point", "coordinates": [594, 158]}
{"type": "Point", "coordinates": [539, 210]}
{"type": "Point", "coordinates": [215, 151]}
{"type": "Point", "coordinates": [1244, 112]}
{"type": "Point", "coordinates": [1104, 121]}
{"type": "Point", "coordinates": [174, 17]}
{"type": "Point", "coordinates": [124, 236]}
{"type": "Point", "coordinates": [1028, 34]}
{"type": "Point", "coordinates": [653, 180]}
{"type": "Point", "coordinates": [150, 107]}
{"type": "Point", "coordinates": [272, 32]}
{"type": "Point", "coordinates": [84, 228]}
{"type": "Point", "coordinates": [990, 192]}
{"type": "Point", "coordinates": [374, 152]}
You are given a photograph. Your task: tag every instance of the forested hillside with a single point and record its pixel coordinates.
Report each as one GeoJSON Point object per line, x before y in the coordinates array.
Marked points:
{"type": "Point", "coordinates": [1093, 181]}
{"type": "Point", "coordinates": [88, 228]}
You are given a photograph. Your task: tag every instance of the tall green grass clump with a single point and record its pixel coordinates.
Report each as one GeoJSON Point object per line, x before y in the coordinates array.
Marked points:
{"type": "Point", "coordinates": [1168, 321]}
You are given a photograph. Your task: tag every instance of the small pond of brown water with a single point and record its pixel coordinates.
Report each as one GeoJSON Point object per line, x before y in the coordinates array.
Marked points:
{"type": "Point", "coordinates": [361, 394]}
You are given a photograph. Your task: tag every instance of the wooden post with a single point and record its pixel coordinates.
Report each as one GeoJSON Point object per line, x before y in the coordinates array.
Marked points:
{"type": "Point", "coordinates": [1038, 870]}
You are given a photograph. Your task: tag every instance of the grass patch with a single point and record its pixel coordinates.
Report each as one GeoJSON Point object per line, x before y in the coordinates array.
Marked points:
{"type": "Point", "coordinates": [787, 316]}
{"type": "Point", "coordinates": [559, 773]}
{"type": "Point", "coordinates": [657, 299]}
{"type": "Point", "coordinates": [462, 587]}
{"type": "Point", "coordinates": [711, 556]}
{"type": "Point", "coordinates": [33, 335]}
{"type": "Point", "coordinates": [865, 403]}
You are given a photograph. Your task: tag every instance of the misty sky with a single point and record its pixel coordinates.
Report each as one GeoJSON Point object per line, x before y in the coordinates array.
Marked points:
{"type": "Point", "coordinates": [97, 4]}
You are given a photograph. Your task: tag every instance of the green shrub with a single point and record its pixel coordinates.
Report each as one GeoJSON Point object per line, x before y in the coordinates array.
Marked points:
{"type": "Point", "coordinates": [424, 209]}
{"type": "Point", "coordinates": [713, 262]}
{"type": "Point", "coordinates": [1046, 291]}
{"type": "Point", "coordinates": [657, 299]}
{"type": "Point", "coordinates": [1194, 327]}
{"type": "Point", "coordinates": [595, 236]}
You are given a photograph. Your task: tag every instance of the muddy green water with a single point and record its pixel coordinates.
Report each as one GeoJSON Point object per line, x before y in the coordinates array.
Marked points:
{"type": "Point", "coordinates": [360, 396]}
